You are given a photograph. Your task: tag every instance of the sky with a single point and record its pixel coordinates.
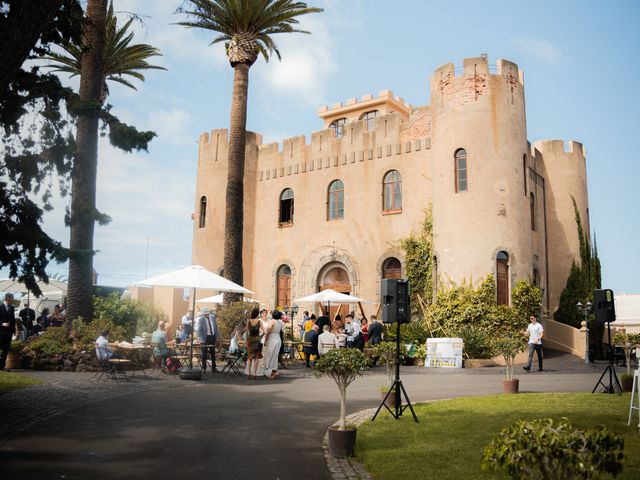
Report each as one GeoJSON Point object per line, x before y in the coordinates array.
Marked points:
{"type": "Point", "coordinates": [581, 61]}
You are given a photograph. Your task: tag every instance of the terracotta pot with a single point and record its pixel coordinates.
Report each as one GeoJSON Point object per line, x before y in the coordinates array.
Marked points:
{"type": "Point", "coordinates": [510, 386]}
{"type": "Point", "coordinates": [13, 360]}
{"type": "Point", "coordinates": [391, 399]}
{"type": "Point", "coordinates": [626, 383]}
{"type": "Point", "coordinates": [342, 442]}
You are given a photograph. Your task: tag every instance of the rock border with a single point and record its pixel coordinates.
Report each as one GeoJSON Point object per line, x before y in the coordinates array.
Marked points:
{"type": "Point", "coordinates": [349, 467]}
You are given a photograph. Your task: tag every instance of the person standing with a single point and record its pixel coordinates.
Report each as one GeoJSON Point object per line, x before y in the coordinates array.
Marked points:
{"type": "Point", "coordinates": [254, 330]}
{"type": "Point", "coordinates": [27, 317]}
{"type": "Point", "coordinates": [272, 345]}
{"type": "Point", "coordinates": [375, 331]}
{"type": "Point", "coordinates": [208, 335]}
{"type": "Point", "coordinates": [7, 327]}
{"type": "Point", "coordinates": [187, 325]}
{"type": "Point", "coordinates": [535, 332]}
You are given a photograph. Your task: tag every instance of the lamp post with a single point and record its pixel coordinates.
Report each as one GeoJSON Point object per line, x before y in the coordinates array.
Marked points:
{"type": "Point", "coordinates": [585, 309]}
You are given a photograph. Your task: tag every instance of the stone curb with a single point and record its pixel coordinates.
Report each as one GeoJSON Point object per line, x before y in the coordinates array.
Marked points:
{"type": "Point", "coordinates": [347, 468]}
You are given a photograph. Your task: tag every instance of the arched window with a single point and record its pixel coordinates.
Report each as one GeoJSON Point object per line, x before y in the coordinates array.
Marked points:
{"type": "Point", "coordinates": [203, 212]}
{"type": "Point", "coordinates": [391, 268]}
{"type": "Point", "coordinates": [392, 192]}
{"type": "Point", "coordinates": [370, 118]}
{"type": "Point", "coordinates": [283, 286]}
{"type": "Point", "coordinates": [335, 200]}
{"type": "Point", "coordinates": [536, 277]}
{"type": "Point", "coordinates": [461, 170]}
{"type": "Point", "coordinates": [502, 278]}
{"type": "Point", "coordinates": [338, 127]}
{"type": "Point", "coordinates": [285, 216]}
{"type": "Point", "coordinates": [532, 208]}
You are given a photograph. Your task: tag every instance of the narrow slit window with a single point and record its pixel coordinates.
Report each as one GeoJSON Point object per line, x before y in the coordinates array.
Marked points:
{"type": "Point", "coordinates": [461, 170]}
{"type": "Point", "coordinates": [202, 218]}
{"type": "Point", "coordinates": [285, 216]}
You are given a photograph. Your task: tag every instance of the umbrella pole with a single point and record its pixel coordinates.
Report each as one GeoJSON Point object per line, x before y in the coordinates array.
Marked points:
{"type": "Point", "coordinates": [193, 327]}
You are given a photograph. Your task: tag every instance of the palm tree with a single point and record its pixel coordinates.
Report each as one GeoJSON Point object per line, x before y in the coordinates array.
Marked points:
{"type": "Point", "coordinates": [245, 27]}
{"type": "Point", "coordinates": [106, 53]}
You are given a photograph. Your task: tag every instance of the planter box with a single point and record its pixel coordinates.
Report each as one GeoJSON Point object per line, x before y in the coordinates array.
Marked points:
{"type": "Point", "coordinates": [342, 442]}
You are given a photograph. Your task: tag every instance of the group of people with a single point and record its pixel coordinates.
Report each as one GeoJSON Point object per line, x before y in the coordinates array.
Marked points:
{"type": "Point", "coordinates": [25, 325]}
{"type": "Point", "coordinates": [319, 335]}
{"type": "Point", "coordinates": [262, 337]}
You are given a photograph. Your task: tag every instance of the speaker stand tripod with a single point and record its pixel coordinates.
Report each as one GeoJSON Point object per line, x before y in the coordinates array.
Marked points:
{"type": "Point", "coordinates": [398, 388]}
{"type": "Point", "coordinates": [611, 387]}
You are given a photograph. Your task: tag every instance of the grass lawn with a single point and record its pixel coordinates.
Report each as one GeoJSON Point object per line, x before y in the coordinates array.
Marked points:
{"type": "Point", "coordinates": [449, 440]}
{"type": "Point", "coordinates": [12, 381]}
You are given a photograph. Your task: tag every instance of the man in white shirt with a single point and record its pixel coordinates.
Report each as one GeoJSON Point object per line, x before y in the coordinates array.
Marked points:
{"type": "Point", "coordinates": [103, 351]}
{"type": "Point", "coordinates": [187, 325]}
{"type": "Point", "coordinates": [535, 332]}
{"type": "Point", "coordinates": [355, 339]}
{"type": "Point", "coordinates": [326, 341]}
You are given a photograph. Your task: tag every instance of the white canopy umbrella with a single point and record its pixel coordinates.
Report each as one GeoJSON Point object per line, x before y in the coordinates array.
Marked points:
{"type": "Point", "coordinates": [329, 296]}
{"type": "Point", "coordinates": [219, 299]}
{"type": "Point", "coordinates": [193, 277]}
{"type": "Point", "coordinates": [10, 285]}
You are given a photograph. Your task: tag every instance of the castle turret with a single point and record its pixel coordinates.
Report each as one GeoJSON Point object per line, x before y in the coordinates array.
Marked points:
{"type": "Point", "coordinates": [478, 142]}
{"type": "Point", "coordinates": [209, 212]}
{"type": "Point", "coordinates": [565, 172]}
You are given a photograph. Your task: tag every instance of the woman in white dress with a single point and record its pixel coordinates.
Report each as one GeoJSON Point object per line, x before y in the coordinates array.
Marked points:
{"type": "Point", "coordinates": [272, 345]}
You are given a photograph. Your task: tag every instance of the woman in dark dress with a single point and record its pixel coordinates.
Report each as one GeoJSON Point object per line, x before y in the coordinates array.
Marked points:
{"type": "Point", "coordinates": [254, 331]}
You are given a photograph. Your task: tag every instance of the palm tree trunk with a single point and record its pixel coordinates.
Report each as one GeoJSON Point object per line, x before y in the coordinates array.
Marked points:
{"type": "Point", "coordinates": [234, 213]}
{"type": "Point", "coordinates": [85, 165]}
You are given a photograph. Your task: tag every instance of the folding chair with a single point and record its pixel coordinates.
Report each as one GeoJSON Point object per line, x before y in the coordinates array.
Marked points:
{"type": "Point", "coordinates": [232, 363]}
{"type": "Point", "coordinates": [105, 368]}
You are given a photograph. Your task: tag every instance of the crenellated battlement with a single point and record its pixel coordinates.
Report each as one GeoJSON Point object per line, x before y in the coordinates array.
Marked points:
{"type": "Point", "coordinates": [480, 66]}
{"type": "Point", "coordinates": [559, 147]}
{"type": "Point", "coordinates": [352, 107]}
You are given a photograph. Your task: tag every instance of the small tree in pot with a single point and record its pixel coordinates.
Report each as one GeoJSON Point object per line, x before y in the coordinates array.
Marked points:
{"type": "Point", "coordinates": [628, 341]}
{"type": "Point", "coordinates": [509, 347]}
{"type": "Point", "coordinates": [344, 365]}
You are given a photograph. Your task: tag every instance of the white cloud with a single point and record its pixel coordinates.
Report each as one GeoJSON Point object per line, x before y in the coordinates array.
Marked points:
{"type": "Point", "coordinates": [542, 49]}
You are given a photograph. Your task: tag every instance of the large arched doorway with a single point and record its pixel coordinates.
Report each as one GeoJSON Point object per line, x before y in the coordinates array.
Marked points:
{"type": "Point", "coordinates": [336, 277]}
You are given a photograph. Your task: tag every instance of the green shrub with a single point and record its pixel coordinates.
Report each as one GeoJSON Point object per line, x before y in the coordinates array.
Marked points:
{"type": "Point", "coordinates": [55, 341]}
{"type": "Point", "coordinates": [84, 335]}
{"type": "Point", "coordinates": [542, 449]}
{"type": "Point", "coordinates": [526, 299]}
{"type": "Point", "coordinates": [477, 342]}
{"type": "Point", "coordinates": [230, 317]}
{"type": "Point", "coordinates": [134, 316]}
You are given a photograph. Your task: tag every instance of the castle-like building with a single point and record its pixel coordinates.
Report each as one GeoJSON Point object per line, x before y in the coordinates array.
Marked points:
{"type": "Point", "coordinates": [331, 212]}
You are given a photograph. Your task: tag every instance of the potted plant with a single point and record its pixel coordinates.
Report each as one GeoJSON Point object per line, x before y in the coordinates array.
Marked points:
{"type": "Point", "coordinates": [344, 365]}
{"type": "Point", "coordinates": [509, 347]}
{"type": "Point", "coordinates": [386, 352]}
{"type": "Point", "coordinates": [628, 341]}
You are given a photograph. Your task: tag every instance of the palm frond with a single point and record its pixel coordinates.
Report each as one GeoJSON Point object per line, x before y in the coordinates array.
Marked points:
{"type": "Point", "coordinates": [258, 18]}
{"type": "Point", "coordinates": [121, 58]}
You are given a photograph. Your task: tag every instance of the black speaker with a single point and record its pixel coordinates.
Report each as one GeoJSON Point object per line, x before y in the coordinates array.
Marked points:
{"type": "Point", "coordinates": [604, 307]}
{"type": "Point", "coordinates": [395, 301]}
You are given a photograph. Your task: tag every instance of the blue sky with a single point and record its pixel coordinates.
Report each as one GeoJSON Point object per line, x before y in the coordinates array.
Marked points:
{"type": "Point", "coordinates": [581, 61]}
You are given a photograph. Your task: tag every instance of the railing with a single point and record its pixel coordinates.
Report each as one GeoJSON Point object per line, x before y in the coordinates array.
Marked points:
{"type": "Point", "coordinates": [562, 337]}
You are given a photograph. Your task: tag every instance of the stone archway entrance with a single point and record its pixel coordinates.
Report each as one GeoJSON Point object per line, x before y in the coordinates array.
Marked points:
{"type": "Point", "coordinates": [336, 277]}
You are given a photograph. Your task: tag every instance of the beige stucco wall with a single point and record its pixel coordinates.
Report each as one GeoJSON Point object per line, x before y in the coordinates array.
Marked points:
{"type": "Point", "coordinates": [477, 108]}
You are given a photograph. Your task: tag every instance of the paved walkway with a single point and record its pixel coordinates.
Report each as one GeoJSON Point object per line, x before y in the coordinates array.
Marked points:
{"type": "Point", "coordinates": [223, 427]}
